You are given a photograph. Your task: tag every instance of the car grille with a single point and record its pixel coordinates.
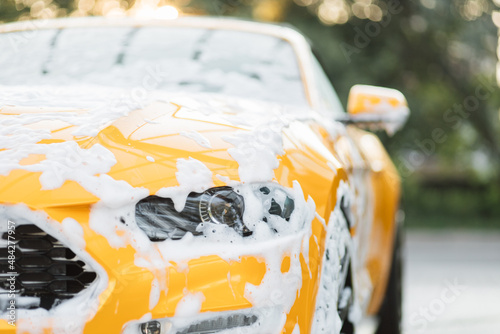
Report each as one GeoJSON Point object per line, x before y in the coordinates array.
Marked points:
{"type": "Point", "coordinates": [46, 270]}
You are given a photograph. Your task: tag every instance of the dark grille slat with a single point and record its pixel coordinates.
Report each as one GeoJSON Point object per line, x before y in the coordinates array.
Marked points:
{"type": "Point", "coordinates": [66, 287]}
{"type": "Point", "coordinates": [61, 252]}
{"type": "Point", "coordinates": [3, 255]}
{"type": "Point", "coordinates": [34, 261]}
{"type": "Point", "coordinates": [66, 268]}
{"type": "Point", "coordinates": [45, 268]}
{"type": "Point", "coordinates": [28, 229]}
{"type": "Point", "coordinates": [87, 277]}
{"type": "Point", "coordinates": [4, 268]}
{"type": "Point", "coordinates": [35, 245]}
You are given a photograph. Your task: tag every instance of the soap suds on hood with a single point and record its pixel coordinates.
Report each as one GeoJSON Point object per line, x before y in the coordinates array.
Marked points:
{"type": "Point", "coordinates": [256, 150]}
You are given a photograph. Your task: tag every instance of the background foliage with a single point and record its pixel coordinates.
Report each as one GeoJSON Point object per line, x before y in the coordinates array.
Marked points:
{"type": "Point", "coordinates": [440, 54]}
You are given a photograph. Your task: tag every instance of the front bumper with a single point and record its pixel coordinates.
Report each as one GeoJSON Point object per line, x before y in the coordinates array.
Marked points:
{"type": "Point", "coordinates": [265, 287]}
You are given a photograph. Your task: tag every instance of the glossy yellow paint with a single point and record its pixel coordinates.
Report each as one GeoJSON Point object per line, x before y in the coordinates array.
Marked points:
{"type": "Point", "coordinates": [385, 183]}
{"type": "Point", "coordinates": [319, 162]}
{"type": "Point", "coordinates": [370, 100]}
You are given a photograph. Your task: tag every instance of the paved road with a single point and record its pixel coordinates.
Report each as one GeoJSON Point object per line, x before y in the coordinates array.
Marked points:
{"type": "Point", "coordinates": [452, 283]}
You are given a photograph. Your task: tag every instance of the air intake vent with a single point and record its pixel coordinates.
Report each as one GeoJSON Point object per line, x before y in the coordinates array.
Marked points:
{"type": "Point", "coordinates": [47, 272]}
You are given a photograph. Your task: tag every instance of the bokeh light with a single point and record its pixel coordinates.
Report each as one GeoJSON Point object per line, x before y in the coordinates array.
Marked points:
{"type": "Point", "coordinates": [334, 12]}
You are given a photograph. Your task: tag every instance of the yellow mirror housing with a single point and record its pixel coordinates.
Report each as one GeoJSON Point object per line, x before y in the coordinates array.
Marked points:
{"type": "Point", "coordinates": [377, 108]}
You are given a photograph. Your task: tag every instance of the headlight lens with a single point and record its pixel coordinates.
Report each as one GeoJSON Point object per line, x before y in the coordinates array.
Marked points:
{"type": "Point", "coordinates": [277, 202]}
{"type": "Point", "coordinates": [157, 217]}
{"type": "Point", "coordinates": [223, 206]}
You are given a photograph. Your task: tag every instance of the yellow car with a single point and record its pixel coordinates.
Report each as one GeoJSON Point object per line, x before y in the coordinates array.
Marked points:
{"type": "Point", "coordinates": [190, 176]}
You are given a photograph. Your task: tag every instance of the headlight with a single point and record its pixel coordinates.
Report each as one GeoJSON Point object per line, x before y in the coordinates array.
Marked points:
{"type": "Point", "coordinates": [223, 206]}
{"type": "Point", "coordinates": [276, 202]}
{"type": "Point", "coordinates": [157, 217]}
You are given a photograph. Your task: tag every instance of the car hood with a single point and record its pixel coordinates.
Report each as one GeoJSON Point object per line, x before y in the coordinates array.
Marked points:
{"type": "Point", "coordinates": [52, 156]}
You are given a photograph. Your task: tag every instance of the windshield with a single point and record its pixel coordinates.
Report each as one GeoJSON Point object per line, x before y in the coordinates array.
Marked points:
{"type": "Point", "coordinates": [235, 63]}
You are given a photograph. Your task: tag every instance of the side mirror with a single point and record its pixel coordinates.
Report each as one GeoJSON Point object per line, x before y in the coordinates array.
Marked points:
{"type": "Point", "coordinates": [377, 108]}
